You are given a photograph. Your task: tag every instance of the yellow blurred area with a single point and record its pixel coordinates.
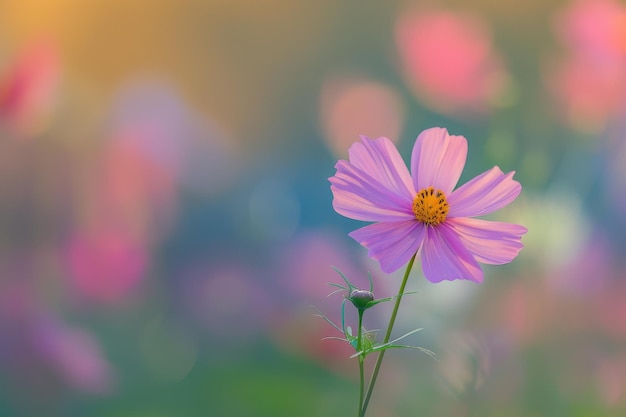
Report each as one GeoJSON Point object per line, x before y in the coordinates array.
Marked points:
{"type": "Point", "coordinates": [233, 60]}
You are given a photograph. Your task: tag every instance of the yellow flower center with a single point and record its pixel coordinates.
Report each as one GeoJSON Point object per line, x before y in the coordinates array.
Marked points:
{"type": "Point", "coordinates": [430, 206]}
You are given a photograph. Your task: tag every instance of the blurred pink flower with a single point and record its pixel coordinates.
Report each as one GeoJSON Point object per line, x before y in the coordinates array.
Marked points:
{"type": "Point", "coordinates": [589, 92]}
{"type": "Point", "coordinates": [610, 309]}
{"type": "Point", "coordinates": [120, 219]}
{"type": "Point", "coordinates": [136, 193]}
{"type": "Point", "coordinates": [518, 313]}
{"type": "Point", "coordinates": [302, 334]}
{"type": "Point", "coordinates": [309, 257]}
{"type": "Point", "coordinates": [448, 60]}
{"type": "Point", "coordinates": [590, 81]}
{"type": "Point", "coordinates": [610, 377]}
{"type": "Point", "coordinates": [27, 88]}
{"type": "Point", "coordinates": [106, 266]}
{"type": "Point", "coordinates": [594, 28]}
{"type": "Point", "coordinates": [423, 212]}
{"type": "Point", "coordinates": [350, 106]}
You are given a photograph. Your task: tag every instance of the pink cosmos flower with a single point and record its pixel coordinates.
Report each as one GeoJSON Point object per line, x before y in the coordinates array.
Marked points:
{"type": "Point", "coordinates": [423, 212]}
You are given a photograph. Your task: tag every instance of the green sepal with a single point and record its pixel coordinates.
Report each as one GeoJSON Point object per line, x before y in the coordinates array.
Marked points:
{"type": "Point", "coordinates": [391, 345]}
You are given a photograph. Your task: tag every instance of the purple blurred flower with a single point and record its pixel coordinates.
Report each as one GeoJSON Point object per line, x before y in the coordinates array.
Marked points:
{"type": "Point", "coordinates": [75, 354]}
{"type": "Point", "coordinates": [423, 212]}
{"type": "Point", "coordinates": [42, 352]}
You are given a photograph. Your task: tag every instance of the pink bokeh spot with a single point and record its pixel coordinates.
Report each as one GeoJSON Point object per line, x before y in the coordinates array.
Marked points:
{"type": "Point", "coordinates": [28, 86]}
{"type": "Point", "coordinates": [134, 185]}
{"type": "Point", "coordinates": [353, 106]}
{"type": "Point", "coordinates": [596, 28]}
{"type": "Point", "coordinates": [449, 61]}
{"type": "Point", "coordinates": [106, 267]}
{"type": "Point", "coordinates": [589, 92]}
{"type": "Point", "coordinates": [589, 81]}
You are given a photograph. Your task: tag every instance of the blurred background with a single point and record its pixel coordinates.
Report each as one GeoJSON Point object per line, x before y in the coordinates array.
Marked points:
{"type": "Point", "coordinates": [166, 223]}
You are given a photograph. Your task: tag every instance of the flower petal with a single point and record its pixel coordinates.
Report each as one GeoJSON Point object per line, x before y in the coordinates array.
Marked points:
{"type": "Point", "coordinates": [445, 258]}
{"type": "Point", "coordinates": [359, 196]}
{"type": "Point", "coordinates": [490, 242]}
{"type": "Point", "coordinates": [383, 162]}
{"type": "Point", "coordinates": [438, 160]}
{"type": "Point", "coordinates": [484, 194]}
{"type": "Point", "coordinates": [391, 244]}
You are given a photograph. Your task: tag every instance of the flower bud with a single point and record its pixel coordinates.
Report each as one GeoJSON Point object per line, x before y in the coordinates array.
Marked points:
{"type": "Point", "coordinates": [361, 298]}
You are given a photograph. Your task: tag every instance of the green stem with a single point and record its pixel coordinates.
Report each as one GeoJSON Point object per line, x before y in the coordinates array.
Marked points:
{"type": "Point", "coordinates": [392, 320]}
{"type": "Point", "coordinates": [361, 385]}
{"type": "Point", "coordinates": [361, 358]}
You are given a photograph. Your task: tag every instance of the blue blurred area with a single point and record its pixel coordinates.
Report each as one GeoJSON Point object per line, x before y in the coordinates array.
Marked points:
{"type": "Point", "coordinates": [166, 221]}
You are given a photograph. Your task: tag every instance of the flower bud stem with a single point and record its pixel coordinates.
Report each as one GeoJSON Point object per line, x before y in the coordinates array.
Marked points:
{"type": "Point", "coordinates": [381, 355]}
{"type": "Point", "coordinates": [361, 360]}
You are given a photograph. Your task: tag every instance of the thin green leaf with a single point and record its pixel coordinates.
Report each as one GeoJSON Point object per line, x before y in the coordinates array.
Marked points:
{"type": "Point", "coordinates": [343, 321]}
{"type": "Point", "coordinates": [343, 276]}
{"type": "Point", "coordinates": [329, 321]}
{"type": "Point", "coordinates": [384, 300]}
{"type": "Point", "coordinates": [334, 338]}
{"type": "Point", "coordinates": [385, 347]}
{"type": "Point", "coordinates": [336, 291]}
{"type": "Point", "coordinates": [405, 335]}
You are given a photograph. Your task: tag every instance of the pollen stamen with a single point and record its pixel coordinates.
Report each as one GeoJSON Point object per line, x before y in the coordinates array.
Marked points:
{"type": "Point", "coordinates": [430, 206]}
